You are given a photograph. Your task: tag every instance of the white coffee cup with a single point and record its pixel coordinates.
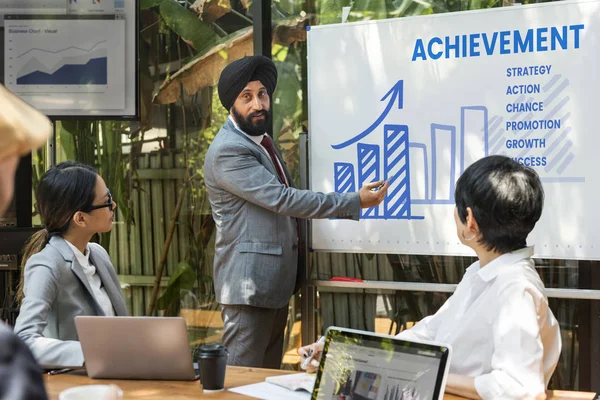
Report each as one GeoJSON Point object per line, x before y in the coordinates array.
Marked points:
{"type": "Point", "coordinates": [92, 392]}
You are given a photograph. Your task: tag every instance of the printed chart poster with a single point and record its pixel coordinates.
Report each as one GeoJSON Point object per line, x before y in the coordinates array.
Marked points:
{"type": "Point", "coordinates": [65, 64]}
{"type": "Point", "coordinates": [417, 100]}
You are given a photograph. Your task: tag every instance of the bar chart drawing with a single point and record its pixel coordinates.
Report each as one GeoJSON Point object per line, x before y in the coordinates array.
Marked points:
{"type": "Point", "coordinates": [418, 173]}
{"type": "Point", "coordinates": [443, 174]}
{"type": "Point", "coordinates": [368, 171]}
{"type": "Point", "coordinates": [476, 129]}
{"type": "Point", "coordinates": [344, 177]}
{"type": "Point", "coordinates": [396, 168]}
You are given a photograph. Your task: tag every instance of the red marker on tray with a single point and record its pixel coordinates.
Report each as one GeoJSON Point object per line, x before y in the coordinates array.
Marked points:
{"type": "Point", "coordinates": [345, 279]}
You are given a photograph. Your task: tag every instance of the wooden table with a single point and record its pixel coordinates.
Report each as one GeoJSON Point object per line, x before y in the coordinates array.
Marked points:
{"type": "Point", "coordinates": [177, 390]}
{"type": "Point", "coordinates": [172, 390]}
{"type": "Point", "coordinates": [161, 390]}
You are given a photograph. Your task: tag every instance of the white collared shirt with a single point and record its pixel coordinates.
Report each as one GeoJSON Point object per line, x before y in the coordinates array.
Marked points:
{"type": "Point", "coordinates": [258, 140]}
{"type": "Point", "coordinates": [500, 328]}
{"type": "Point", "coordinates": [93, 279]}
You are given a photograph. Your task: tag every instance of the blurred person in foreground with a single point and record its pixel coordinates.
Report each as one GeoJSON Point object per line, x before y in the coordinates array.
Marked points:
{"type": "Point", "coordinates": [22, 129]}
{"type": "Point", "coordinates": [505, 340]}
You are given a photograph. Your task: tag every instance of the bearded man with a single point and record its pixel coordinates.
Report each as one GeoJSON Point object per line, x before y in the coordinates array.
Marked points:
{"type": "Point", "coordinates": [255, 207]}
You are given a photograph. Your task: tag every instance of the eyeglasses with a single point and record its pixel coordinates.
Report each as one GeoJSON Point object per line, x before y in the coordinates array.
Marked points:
{"type": "Point", "coordinates": [108, 204]}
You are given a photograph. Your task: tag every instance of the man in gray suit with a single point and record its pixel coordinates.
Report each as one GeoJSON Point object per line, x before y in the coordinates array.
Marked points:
{"type": "Point", "coordinates": [255, 207]}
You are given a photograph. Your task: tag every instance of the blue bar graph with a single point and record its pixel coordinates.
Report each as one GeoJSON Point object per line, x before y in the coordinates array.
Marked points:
{"type": "Point", "coordinates": [344, 181]}
{"type": "Point", "coordinates": [409, 167]}
{"type": "Point", "coordinates": [443, 138]}
{"type": "Point", "coordinates": [474, 124]}
{"type": "Point", "coordinates": [419, 165]}
{"type": "Point", "coordinates": [368, 171]}
{"type": "Point", "coordinates": [397, 169]}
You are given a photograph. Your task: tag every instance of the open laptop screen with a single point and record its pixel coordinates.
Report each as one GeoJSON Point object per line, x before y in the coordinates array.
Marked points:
{"type": "Point", "coordinates": [360, 365]}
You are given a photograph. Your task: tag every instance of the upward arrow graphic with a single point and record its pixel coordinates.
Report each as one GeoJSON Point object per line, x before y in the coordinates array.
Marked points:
{"type": "Point", "coordinates": [395, 93]}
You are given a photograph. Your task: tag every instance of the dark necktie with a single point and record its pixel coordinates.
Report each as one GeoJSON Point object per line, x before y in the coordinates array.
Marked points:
{"type": "Point", "coordinates": [268, 145]}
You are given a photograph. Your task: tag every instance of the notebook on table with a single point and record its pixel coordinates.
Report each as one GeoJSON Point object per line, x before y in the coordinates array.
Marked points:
{"type": "Point", "coordinates": [294, 382]}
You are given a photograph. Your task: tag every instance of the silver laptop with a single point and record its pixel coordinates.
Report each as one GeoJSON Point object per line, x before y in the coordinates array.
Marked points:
{"type": "Point", "coordinates": [362, 365]}
{"type": "Point", "coordinates": [136, 347]}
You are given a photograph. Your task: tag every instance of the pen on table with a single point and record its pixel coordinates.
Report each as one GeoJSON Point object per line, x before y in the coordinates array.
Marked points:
{"type": "Point", "coordinates": [60, 371]}
{"type": "Point", "coordinates": [309, 358]}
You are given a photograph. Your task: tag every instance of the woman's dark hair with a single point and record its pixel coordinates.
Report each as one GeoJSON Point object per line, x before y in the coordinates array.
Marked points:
{"type": "Point", "coordinates": [63, 190]}
{"type": "Point", "coordinates": [507, 199]}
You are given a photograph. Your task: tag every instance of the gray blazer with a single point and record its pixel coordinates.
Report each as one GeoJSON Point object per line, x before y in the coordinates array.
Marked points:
{"type": "Point", "coordinates": [256, 248]}
{"type": "Point", "coordinates": [56, 291]}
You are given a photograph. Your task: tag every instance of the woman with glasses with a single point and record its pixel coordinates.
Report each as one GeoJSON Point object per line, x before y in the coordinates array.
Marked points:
{"type": "Point", "coordinates": [63, 274]}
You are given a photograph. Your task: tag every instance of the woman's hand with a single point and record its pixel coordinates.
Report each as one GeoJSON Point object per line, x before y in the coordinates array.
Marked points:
{"type": "Point", "coordinates": [315, 350]}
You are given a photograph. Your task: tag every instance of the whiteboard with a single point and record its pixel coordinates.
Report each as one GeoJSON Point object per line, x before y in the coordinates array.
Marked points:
{"type": "Point", "coordinates": [417, 100]}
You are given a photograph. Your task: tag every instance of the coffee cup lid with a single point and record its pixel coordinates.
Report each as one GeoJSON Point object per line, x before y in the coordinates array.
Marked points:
{"type": "Point", "coordinates": [212, 350]}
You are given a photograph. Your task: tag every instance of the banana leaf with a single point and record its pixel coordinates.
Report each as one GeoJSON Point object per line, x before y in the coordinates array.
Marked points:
{"type": "Point", "coordinates": [204, 69]}
{"type": "Point", "coordinates": [183, 278]}
{"type": "Point", "coordinates": [187, 25]}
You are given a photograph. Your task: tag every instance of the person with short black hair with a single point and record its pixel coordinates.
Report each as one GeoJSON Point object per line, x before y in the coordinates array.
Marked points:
{"type": "Point", "coordinates": [505, 340]}
{"type": "Point", "coordinates": [505, 198]}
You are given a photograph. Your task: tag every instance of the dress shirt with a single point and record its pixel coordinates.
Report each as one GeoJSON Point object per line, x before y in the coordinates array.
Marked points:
{"type": "Point", "coordinates": [93, 279]}
{"type": "Point", "coordinates": [258, 140]}
{"type": "Point", "coordinates": [500, 328]}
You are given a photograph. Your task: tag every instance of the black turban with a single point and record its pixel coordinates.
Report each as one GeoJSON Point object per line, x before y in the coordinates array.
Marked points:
{"type": "Point", "coordinates": [236, 76]}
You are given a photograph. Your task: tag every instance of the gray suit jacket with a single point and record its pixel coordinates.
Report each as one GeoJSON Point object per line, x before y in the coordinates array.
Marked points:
{"type": "Point", "coordinates": [56, 291]}
{"type": "Point", "coordinates": [256, 248]}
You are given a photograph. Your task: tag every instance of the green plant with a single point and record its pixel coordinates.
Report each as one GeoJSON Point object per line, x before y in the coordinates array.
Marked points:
{"type": "Point", "coordinates": [171, 34]}
{"type": "Point", "coordinates": [99, 144]}
{"type": "Point", "coordinates": [200, 225]}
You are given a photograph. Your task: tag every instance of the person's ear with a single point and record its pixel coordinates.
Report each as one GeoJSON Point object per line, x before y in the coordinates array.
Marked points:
{"type": "Point", "coordinates": [79, 219]}
{"type": "Point", "coordinates": [471, 223]}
